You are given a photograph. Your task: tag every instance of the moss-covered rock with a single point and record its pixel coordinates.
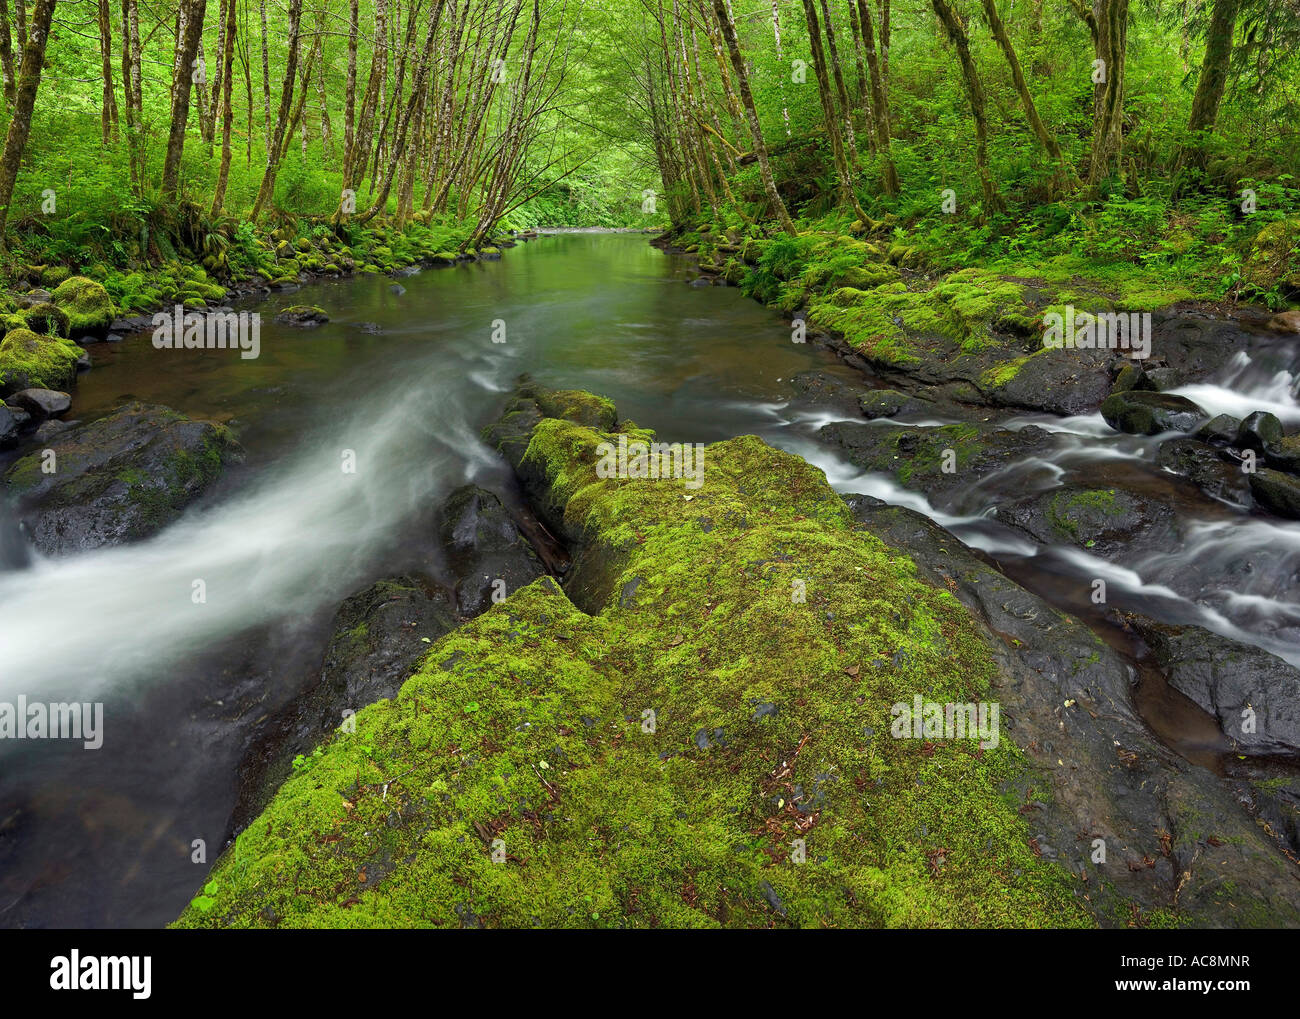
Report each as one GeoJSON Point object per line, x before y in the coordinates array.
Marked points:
{"type": "Point", "coordinates": [32, 361]}
{"type": "Point", "coordinates": [47, 319]}
{"type": "Point", "coordinates": [88, 306]}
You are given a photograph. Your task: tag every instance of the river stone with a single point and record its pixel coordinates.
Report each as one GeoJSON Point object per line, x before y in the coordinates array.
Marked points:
{"type": "Point", "coordinates": [1276, 492]}
{"type": "Point", "coordinates": [1220, 430]}
{"type": "Point", "coordinates": [1285, 322]}
{"type": "Point", "coordinates": [1069, 696]}
{"type": "Point", "coordinates": [1105, 522]}
{"type": "Point", "coordinates": [41, 403]}
{"type": "Point", "coordinates": [1204, 466]}
{"type": "Point", "coordinates": [888, 403]}
{"type": "Point", "coordinates": [1227, 678]}
{"type": "Point", "coordinates": [379, 636]}
{"type": "Point", "coordinates": [397, 290]}
{"type": "Point", "coordinates": [484, 546]}
{"type": "Point", "coordinates": [916, 455]}
{"type": "Point", "coordinates": [1130, 377]}
{"type": "Point", "coordinates": [1142, 413]}
{"type": "Point", "coordinates": [1065, 382]}
{"type": "Point", "coordinates": [120, 478]}
{"type": "Point", "coordinates": [820, 390]}
{"type": "Point", "coordinates": [302, 316]}
{"type": "Point", "coordinates": [9, 427]}
{"type": "Point", "coordinates": [1285, 454]}
{"type": "Point", "coordinates": [1259, 431]}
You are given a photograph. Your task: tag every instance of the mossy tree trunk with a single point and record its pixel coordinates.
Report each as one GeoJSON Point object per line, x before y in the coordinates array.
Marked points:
{"type": "Point", "coordinates": [7, 53]}
{"type": "Point", "coordinates": [20, 125]}
{"type": "Point", "coordinates": [846, 108]}
{"type": "Point", "coordinates": [879, 99]}
{"type": "Point", "coordinates": [830, 113]}
{"type": "Point", "coordinates": [1003, 40]}
{"type": "Point", "coordinates": [267, 188]}
{"type": "Point", "coordinates": [751, 115]}
{"type": "Point", "coordinates": [975, 94]}
{"type": "Point", "coordinates": [108, 111]}
{"type": "Point", "coordinates": [1213, 79]}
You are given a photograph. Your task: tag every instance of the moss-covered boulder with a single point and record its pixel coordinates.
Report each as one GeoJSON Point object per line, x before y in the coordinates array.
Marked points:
{"type": "Point", "coordinates": [702, 730]}
{"type": "Point", "coordinates": [1143, 413]}
{"type": "Point", "coordinates": [32, 361]}
{"type": "Point", "coordinates": [87, 304]}
{"type": "Point", "coordinates": [303, 316]}
{"type": "Point", "coordinates": [120, 478]}
{"type": "Point", "coordinates": [1274, 259]}
{"type": "Point", "coordinates": [47, 319]}
{"type": "Point", "coordinates": [1108, 522]}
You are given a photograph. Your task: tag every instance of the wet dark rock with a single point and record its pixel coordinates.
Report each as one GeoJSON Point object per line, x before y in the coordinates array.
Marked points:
{"type": "Point", "coordinates": [371, 328]}
{"type": "Point", "coordinates": [302, 316]}
{"type": "Point", "coordinates": [1167, 377]}
{"type": "Point", "coordinates": [120, 478]}
{"type": "Point", "coordinates": [484, 546]}
{"type": "Point", "coordinates": [1066, 700]}
{"type": "Point", "coordinates": [888, 403]}
{"type": "Point", "coordinates": [1065, 382]}
{"type": "Point", "coordinates": [1276, 492]}
{"type": "Point", "coordinates": [1284, 455]}
{"type": "Point", "coordinates": [918, 456]}
{"type": "Point", "coordinates": [1221, 430]}
{"type": "Point", "coordinates": [1254, 695]}
{"type": "Point", "coordinates": [1106, 522]}
{"type": "Point", "coordinates": [1142, 413]}
{"type": "Point", "coordinates": [41, 403]}
{"type": "Point", "coordinates": [50, 430]}
{"type": "Point", "coordinates": [1259, 431]}
{"type": "Point", "coordinates": [701, 281]}
{"type": "Point", "coordinates": [397, 290]}
{"type": "Point", "coordinates": [379, 636]}
{"type": "Point", "coordinates": [1204, 465]}
{"type": "Point", "coordinates": [9, 427]}
{"type": "Point", "coordinates": [821, 390]}
{"type": "Point", "coordinates": [1130, 377]}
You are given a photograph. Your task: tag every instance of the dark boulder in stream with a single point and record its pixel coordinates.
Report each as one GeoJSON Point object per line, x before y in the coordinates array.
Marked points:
{"type": "Point", "coordinates": [120, 478]}
{"type": "Point", "coordinates": [484, 549]}
{"type": "Point", "coordinates": [1107, 522]}
{"type": "Point", "coordinates": [1206, 466]}
{"type": "Point", "coordinates": [1142, 413]}
{"type": "Point", "coordinates": [380, 634]}
{"type": "Point", "coordinates": [1254, 695]}
{"type": "Point", "coordinates": [1276, 492]}
{"type": "Point", "coordinates": [302, 316]}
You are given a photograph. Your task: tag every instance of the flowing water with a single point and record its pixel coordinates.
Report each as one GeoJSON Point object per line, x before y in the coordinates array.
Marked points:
{"type": "Point", "coordinates": [403, 384]}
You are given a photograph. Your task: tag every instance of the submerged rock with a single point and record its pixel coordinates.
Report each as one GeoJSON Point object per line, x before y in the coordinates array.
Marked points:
{"type": "Point", "coordinates": [117, 479]}
{"type": "Point", "coordinates": [1204, 465]}
{"type": "Point", "coordinates": [1143, 413]}
{"type": "Point", "coordinates": [1276, 492]}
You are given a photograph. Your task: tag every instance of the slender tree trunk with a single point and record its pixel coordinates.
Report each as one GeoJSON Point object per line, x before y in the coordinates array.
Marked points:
{"type": "Point", "coordinates": [829, 112]}
{"type": "Point", "coordinates": [187, 47]}
{"type": "Point", "coordinates": [1213, 79]}
{"type": "Point", "coordinates": [975, 94]}
{"type": "Point", "coordinates": [267, 188]}
{"type": "Point", "coordinates": [350, 89]}
{"type": "Point", "coordinates": [751, 114]}
{"type": "Point", "coordinates": [266, 82]}
{"type": "Point", "coordinates": [1111, 34]}
{"type": "Point", "coordinates": [1017, 75]}
{"type": "Point", "coordinates": [227, 113]}
{"type": "Point", "coordinates": [780, 59]}
{"type": "Point", "coordinates": [7, 54]}
{"type": "Point", "coordinates": [879, 100]}
{"type": "Point", "coordinates": [20, 125]}
{"type": "Point", "coordinates": [108, 114]}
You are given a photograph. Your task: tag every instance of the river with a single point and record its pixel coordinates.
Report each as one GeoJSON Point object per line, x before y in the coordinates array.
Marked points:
{"type": "Point", "coordinates": [404, 382]}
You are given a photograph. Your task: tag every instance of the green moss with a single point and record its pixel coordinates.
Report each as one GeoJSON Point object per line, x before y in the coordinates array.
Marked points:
{"type": "Point", "coordinates": [87, 304]}
{"type": "Point", "coordinates": [526, 725]}
{"type": "Point", "coordinates": [46, 318]}
{"type": "Point", "coordinates": [30, 360]}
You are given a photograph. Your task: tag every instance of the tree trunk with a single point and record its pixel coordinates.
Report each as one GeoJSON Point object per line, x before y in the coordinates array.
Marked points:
{"type": "Point", "coordinates": [7, 54]}
{"type": "Point", "coordinates": [829, 112]}
{"type": "Point", "coordinates": [975, 94]}
{"type": "Point", "coordinates": [879, 100]}
{"type": "Point", "coordinates": [227, 113]}
{"type": "Point", "coordinates": [751, 115]}
{"type": "Point", "coordinates": [266, 82]}
{"type": "Point", "coordinates": [108, 114]}
{"type": "Point", "coordinates": [187, 47]}
{"type": "Point", "coordinates": [20, 125]}
{"type": "Point", "coordinates": [846, 111]}
{"type": "Point", "coordinates": [1213, 79]}
{"type": "Point", "coordinates": [282, 118]}
{"type": "Point", "coordinates": [1017, 75]}
{"type": "Point", "coordinates": [350, 88]}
